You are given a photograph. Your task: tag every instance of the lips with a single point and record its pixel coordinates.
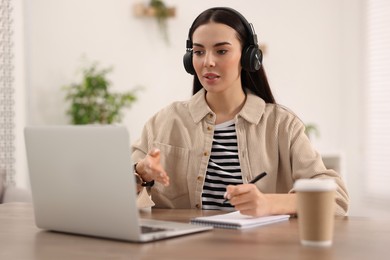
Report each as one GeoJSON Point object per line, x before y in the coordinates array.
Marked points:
{"type": "Point", "coordinates": [210, 76]}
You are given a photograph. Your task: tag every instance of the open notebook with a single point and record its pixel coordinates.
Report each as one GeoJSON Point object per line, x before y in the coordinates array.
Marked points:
{"type": "Point", "coordinates": [236, 220]}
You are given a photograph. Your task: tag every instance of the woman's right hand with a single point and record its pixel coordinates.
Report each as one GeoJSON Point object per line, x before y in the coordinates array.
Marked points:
{"type": "Point", "coordinates": [150, 168]}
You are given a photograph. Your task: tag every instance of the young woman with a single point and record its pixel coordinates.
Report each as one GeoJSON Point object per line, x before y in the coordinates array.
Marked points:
{"type": "Point", "coordinates": [197, 153]}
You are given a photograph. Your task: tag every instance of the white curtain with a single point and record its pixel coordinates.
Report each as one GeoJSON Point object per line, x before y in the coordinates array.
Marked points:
{"type": "Point", "coordinates": [7, 125]}
{"type": "Point", "coordinates": [378, 100]}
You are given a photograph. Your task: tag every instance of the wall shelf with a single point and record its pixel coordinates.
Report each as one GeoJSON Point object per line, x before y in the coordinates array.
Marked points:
{"type": "Point", "coordinates": [143, 10]}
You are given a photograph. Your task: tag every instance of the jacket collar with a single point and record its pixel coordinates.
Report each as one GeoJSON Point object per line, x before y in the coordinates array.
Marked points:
{"type": "Point", "coordinates": [252, 110]}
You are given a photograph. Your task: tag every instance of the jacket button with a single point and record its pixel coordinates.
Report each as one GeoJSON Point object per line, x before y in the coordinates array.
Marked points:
{"type": "Point", "coordinates": [205, 153]}
{"type": "Point", "coordinates": [197, 206]}
{"type": "Point", "coordinates": [199, 178]}
{"type": "Point", "coordinates": [209, 128]}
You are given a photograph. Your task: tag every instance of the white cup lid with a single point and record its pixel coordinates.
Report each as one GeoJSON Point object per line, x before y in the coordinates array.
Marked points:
{"type": "Point", "coordinates": [315, 185]}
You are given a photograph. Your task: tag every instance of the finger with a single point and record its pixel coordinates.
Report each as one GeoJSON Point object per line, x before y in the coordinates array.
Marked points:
{"type": "Point", "coordinates": [163, 179]}
{"type": "Point", "coordinates": [166, 181]}
{"type": "Point", "coordinates": [232, 191]}
{"type": "Point", "coordinates": [247, 194]}
{"type": "Point", "coordinates": [243, 206]}
{"type": "Point", "coordinates": [154, 152]}
{"type": "Point", "coordinates": [249, 212]}
{"type": "Point", "coordinates": [161, 175]}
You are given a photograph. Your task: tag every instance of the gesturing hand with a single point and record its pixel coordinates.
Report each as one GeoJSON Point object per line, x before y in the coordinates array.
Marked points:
{"type": "Point", "coordinates": [150, 168]}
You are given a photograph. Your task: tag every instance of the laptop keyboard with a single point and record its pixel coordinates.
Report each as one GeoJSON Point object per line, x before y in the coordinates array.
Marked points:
{"type": "Point", "coordinates": [147, 229]}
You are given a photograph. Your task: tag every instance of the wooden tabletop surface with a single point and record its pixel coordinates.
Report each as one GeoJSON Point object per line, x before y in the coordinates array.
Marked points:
{"type": "Point", "coordinates": [354, 238]}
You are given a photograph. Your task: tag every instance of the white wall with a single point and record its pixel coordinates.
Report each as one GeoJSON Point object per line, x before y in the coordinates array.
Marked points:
{"type": "Point", "coordinates": [312, 59]}
{"type": "Point", "coordinates": [302, 57]}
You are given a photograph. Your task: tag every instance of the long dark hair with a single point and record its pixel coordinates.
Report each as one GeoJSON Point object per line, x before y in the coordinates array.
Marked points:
{"type": "Point", "coordinates": [255, 81]}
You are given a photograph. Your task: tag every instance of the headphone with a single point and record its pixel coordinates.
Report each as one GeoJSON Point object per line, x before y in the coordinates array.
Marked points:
{"type": "Point", "coordinates": [251, 57]}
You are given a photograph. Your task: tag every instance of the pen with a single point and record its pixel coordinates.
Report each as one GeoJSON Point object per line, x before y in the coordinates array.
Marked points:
{"type": "Point", "coordinates": [256, 179]}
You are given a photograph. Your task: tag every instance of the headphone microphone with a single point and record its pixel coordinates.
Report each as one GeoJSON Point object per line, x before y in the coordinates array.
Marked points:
{"type": "Point", "coordinates": [251, 57]}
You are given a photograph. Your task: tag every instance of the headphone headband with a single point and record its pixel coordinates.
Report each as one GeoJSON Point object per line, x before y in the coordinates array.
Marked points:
{"type": "Point", "coordinates": [248, 26]}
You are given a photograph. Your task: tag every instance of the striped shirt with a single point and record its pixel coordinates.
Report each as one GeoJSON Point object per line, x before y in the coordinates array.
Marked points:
{"type": "Point", "coordinates": [223, 168]}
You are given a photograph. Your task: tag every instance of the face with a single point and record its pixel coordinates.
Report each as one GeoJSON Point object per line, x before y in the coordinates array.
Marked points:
{"type": "Point", "coordinates": [216, 57]}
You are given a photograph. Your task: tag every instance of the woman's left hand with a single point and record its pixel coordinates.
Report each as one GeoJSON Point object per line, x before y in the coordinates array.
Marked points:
{"type": "Point", "coordinates": [247, 199]}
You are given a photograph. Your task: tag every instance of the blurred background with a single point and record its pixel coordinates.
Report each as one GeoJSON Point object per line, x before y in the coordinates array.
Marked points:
{"type": "Point", "coordinates": [326, 60]}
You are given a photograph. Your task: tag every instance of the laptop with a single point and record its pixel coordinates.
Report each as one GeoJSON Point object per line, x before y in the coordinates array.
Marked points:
{"type": "Point", "coordinates": [82, 183]}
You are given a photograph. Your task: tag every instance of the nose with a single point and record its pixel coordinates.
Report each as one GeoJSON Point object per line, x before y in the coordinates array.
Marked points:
{"type": "Point", "coordinates": [209, 60]}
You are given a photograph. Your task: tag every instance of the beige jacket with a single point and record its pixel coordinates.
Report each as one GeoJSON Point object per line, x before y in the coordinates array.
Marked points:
{"type": "Point", "coordinates": [270, 138]}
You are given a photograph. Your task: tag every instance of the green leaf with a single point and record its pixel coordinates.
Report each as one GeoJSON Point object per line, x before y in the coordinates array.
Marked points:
{"type": "Point", "coordinates": [91, 101]}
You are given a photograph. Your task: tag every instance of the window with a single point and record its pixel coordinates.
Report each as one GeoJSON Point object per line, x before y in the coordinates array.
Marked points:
{"type": "Point", "coordinates": [378, 99]}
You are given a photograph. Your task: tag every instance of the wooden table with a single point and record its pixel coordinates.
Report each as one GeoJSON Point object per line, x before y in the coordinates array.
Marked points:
{"type": "Point", "coordinates": [354, 238]}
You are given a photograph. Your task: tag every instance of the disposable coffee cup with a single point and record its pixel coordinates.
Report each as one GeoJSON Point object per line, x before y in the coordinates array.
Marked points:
{"type": "Point", "coordinates": [316, 210]}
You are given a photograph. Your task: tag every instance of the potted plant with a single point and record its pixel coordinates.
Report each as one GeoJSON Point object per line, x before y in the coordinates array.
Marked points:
{"type": "Point", "coordinates": [92, 102]}
{"type": "Point", "coordinates": [161, 14]}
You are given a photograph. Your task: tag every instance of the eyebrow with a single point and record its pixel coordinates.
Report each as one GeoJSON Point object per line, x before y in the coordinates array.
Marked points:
{"type": "Point", "coordinates": [215, 45]}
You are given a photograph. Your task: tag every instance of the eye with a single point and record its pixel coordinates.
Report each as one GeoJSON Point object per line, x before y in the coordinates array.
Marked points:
{"type": "Point", "coordinates": [198, 52]}
{"type": "Point", "coordinates": [222, 52]}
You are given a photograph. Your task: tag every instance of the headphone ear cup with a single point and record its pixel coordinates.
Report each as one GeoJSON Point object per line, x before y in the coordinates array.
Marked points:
{"type": "Point", "coordinates": [251, 58]}
{"type": "Point", "coordinates": [187, 62]}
